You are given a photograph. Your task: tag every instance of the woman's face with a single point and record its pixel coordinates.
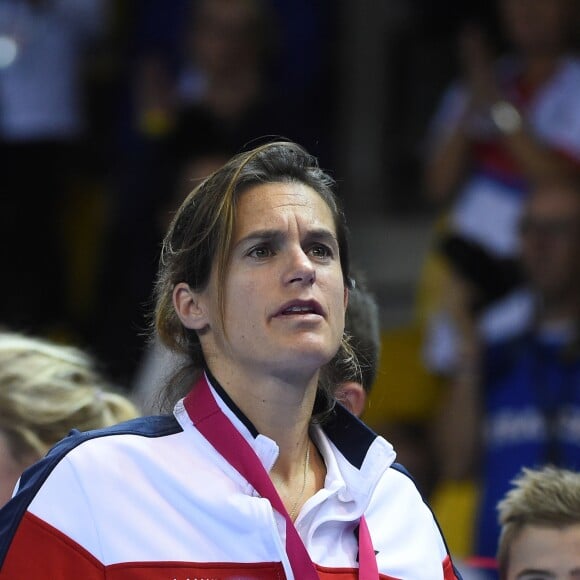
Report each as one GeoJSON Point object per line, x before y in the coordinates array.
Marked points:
{"type": "Point", "coordinates": [284, 294]}
{"type": "Point", "coordinates": [538, 26]}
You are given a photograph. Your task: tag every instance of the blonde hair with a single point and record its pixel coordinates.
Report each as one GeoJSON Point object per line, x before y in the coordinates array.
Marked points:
{"type": "Point", "coordinates": [549, 497]}
{"type": "Point", "coordinates": [48, 389]}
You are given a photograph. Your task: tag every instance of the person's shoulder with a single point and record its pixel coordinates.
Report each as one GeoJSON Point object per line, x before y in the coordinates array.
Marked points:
{"type": "Point", "coordinates": [398, 492]}
{"type": "Point", "coordinates": [95, 445]}
{"type": "Point", "coordinates": [140, 429]}
{"type": "Point", "coordinates": [399, 478]}
{"type": "Point", "coordinates": [150, 426]}
{"type": "Point", "coordinates": [144, 427]}
{"type": "Point", "coordinates": [55, 480]}
{"type": "Point", "coordinates": [398, 500]}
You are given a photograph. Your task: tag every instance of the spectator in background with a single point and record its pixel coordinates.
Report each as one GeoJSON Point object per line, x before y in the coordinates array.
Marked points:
{"type": "Point", "coordinates": [46, 390]}
{"type": "Point", "coordinates": [515, 402]}
{"type": "Point", "coordinates": [42, 123]}
{"type": "Point", "coordinates": [410, 438]}
{"type": "Point", "coordinates": [236, 76]}
{"type": "Point", "coordinates": [362, 325]}
{"type": "Point", "coordinates": [229, 48]}
{"type": "Point", "coordinates": [222, 85]}
{"type": "Point", "coordinates": [540, 526]}
{"type": "Point", "coordinates": [218, 96]}
{"type": "Point", "coordinates": [509, 124]}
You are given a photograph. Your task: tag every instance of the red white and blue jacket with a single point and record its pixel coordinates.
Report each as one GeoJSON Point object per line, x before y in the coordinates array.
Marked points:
{"type": "Point", "coordinates": [152, 499]}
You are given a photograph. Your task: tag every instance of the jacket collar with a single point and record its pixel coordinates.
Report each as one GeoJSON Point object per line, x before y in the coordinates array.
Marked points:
{"type": "Point", "coordinates": [355, 456]}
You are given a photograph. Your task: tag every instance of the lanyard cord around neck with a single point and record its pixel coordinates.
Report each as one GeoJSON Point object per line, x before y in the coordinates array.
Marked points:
{"type": "Point", "coordinates": [212, 423]}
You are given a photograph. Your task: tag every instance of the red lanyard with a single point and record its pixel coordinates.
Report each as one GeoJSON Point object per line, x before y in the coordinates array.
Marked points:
{"type": "Point", "coordinates": [211, 422]}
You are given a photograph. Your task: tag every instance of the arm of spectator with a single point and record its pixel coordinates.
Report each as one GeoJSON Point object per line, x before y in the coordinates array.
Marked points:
{"type": "Point", "coordinates": [447, 165]}
{"type": "Point", "coordinates": [458, 423]}
{"type": "Point", "coordinates": [450, 149]}
{"type": "Point", "coordinates": [537, 161]}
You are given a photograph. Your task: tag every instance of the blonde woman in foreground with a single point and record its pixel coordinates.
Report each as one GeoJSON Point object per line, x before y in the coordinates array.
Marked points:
{"type": "Point", "coordinates": [46, 390]}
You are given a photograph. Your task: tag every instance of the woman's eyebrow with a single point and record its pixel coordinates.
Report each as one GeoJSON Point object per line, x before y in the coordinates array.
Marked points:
{"type": "Point", "coordinates": [320, 234]}
{"type": "Point", "coordinates": [323, 235]}
{"type": "Point", "coordinates": [260, 236]}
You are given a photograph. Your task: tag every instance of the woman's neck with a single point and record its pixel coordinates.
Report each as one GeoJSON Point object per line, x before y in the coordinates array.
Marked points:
{"type": "Point", "coordinates": [279, 408]}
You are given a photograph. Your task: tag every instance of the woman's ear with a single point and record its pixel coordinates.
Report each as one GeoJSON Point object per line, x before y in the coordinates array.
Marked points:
{"type": "Point", "coordinates": [190, 306]}
{"type": "Point", "coordinates": [353, 396]}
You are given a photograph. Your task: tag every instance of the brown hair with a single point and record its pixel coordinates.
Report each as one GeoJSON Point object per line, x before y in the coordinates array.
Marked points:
{"type": "Point", "coordinates": [201, 235]}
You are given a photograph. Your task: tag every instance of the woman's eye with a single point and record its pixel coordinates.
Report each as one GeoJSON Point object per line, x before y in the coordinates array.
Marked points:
{"type": "Point", "coordinates": [321, 251]}
{"type": "Point", "coordinates": [260, 252]}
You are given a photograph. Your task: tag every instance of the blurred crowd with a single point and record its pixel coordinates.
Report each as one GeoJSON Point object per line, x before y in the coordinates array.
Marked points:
{"type": "Point", "coordinates": [110, 112]}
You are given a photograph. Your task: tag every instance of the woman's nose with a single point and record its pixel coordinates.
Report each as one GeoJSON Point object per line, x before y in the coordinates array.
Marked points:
{"type": "Point", "coordinates": [300, 268]}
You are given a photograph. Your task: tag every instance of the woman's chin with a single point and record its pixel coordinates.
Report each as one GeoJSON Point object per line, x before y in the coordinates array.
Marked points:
{"type": "Point", "coordinates": [307, 360]}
